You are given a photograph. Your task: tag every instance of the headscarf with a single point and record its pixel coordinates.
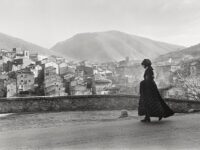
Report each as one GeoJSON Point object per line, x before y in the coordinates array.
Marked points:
{"type": "Point", "coordinates": [146, 62]}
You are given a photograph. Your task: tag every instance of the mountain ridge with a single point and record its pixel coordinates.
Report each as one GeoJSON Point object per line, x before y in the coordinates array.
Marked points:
{"type": "Point", "coordinates": [192, 52]}
{"type": "Point", "coordinates": [9, 42]}
{"type": "Point", "coordinates": [96, 46]}
{"type": "Point", "coordinates": [111, 46]}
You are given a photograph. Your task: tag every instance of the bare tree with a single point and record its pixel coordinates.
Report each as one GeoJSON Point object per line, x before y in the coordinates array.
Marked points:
{"type": "Point", "coordinates": [191, 86]}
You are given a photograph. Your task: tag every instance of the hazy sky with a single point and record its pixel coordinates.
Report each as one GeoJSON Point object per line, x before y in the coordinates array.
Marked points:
{"type": "Point", "coordinates": [45, 22]}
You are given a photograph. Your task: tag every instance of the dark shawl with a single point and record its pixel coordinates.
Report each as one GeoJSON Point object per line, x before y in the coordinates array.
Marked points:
{"type": "Point", "coordinates": [151, 102]}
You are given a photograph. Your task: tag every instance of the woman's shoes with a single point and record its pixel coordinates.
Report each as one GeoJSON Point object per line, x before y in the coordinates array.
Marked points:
{"type": "Point", "coordinates": [160, 118]}
{"type": "Point", "coordinates": [149, 120]}
{"type": "Point", "coordinates": [146, 120]}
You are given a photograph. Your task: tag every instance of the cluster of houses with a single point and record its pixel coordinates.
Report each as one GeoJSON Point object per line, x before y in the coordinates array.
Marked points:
{"type": "Point", "coordinates": [179, 79]}
{"type": "Point", "coordinates": [26, 74]}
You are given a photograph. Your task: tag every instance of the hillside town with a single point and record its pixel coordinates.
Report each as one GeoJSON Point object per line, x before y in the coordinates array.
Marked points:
{"type": "Point", "coordinates": [25, 74]}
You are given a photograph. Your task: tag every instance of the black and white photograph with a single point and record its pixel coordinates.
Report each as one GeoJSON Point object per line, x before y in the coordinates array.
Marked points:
{"type": "Point", "coordinates": [99, 74]}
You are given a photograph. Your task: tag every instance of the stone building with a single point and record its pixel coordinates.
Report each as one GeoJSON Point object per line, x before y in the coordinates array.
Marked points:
{"type": "Point", "coordinates": [53, 83]}
{"type": "Point", "coordinates": [63, 68]}
{"type": "Point", "coordinates": [21, 63]}
{"type": "Point", "coordinates": [35, 69]}
{"type": "Point", "coordinates": [25, 81]}
{"type": "Point", "coordinates": [11, 88]}
{"type": "Point", "coordinates": [3, 81]}
{"type": "Point", "coordinates": [2, 87]}
{"type": "Point", "coordinates": [102, 85]}
{"type": "Point", "coordinates": [18, 50]}
{"type": "Point", "coordinates": [195, 68]}
{"type": "Point", "coordinates": [7, 67]}
{"type": "Point", "coordinates": [23, 54]}
{"type": "Point", "coordinates": [52, 64]}
{"type": "Point", "coordinates": [84, 71]}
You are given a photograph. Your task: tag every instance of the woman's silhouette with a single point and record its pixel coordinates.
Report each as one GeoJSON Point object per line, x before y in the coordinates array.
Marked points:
{"type": "Point", "coordinates": [151, 103]}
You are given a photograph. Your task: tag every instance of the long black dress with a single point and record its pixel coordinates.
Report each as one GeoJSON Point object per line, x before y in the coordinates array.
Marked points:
{"type": "Point", "coordinates": [151, 102]}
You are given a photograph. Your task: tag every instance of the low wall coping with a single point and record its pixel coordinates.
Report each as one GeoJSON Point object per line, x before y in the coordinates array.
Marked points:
{"type": "Point", "coordinates": [66, 97]}
{"type": "Point", "coordinates": [36, 98]}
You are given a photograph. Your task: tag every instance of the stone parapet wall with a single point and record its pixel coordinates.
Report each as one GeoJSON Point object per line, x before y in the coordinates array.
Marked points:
{"type": "Point", "coordinates": [85, 102]}
{"type": "Point", "coordinates": [183, 106]}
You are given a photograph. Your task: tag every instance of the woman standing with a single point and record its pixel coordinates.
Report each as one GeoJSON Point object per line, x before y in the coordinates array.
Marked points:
{"type": "Point", "coordinates": [151, 103]}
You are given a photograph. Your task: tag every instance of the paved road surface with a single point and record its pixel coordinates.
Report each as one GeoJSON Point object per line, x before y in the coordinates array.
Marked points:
{"type": "Point", "coordinates": [177, 132]}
